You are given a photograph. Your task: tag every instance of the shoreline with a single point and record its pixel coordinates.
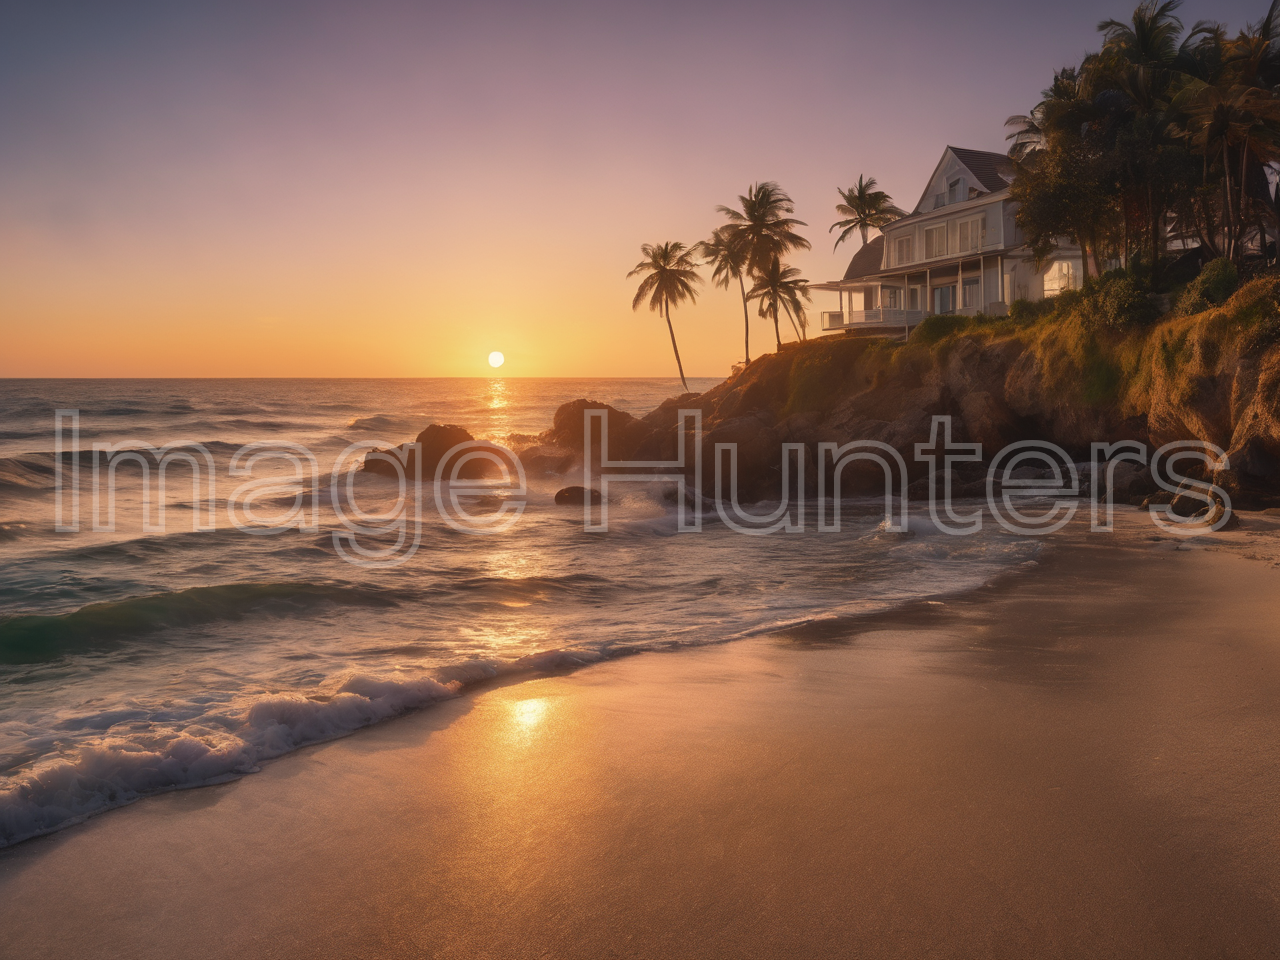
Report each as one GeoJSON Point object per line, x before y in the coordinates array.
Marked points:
{"type": "Point", "coordinates": [1009, 772]}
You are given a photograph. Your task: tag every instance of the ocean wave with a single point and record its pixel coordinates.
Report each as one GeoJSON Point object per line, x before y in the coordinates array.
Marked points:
{"type": "Point", "coordinates": [37, 639]}
{"type": "Point", "coordinates": [578, 585]}
{"type": "Point", "coordinates": [28, 472]}
{"type": "Point", "coordinates": [133, 752]}
{"type": "Point", "coordinates": [386, 422]}
{"type": "Point", "coordinates": [116, 770]}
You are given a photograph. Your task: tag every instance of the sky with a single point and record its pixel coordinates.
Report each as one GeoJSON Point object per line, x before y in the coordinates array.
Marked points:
{"type": "Point", "coordinates": [397, 189]}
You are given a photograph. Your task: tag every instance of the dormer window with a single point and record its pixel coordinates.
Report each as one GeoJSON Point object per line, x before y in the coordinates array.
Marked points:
{"type": "Point", "coordinates": [957, 190]}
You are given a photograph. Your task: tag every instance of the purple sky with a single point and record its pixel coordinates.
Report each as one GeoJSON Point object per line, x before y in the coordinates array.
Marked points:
{"type": "Point", "coordinates": [393, 188]}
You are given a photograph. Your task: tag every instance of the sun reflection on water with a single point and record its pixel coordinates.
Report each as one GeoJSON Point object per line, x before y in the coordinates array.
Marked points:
{"type": "Point", "coordinates": [529, 713]}
{"type": "Point", "coordinates": [498, 402]}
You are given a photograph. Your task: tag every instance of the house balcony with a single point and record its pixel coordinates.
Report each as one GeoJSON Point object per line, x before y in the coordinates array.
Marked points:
{"type": "Point", "coordinates": [868, 319]}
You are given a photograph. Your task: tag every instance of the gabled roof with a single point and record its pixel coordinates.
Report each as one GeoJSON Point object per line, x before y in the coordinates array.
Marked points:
{"type": "Point", "coordinates": [866, 262]}
{"type": "Point", "coordinates": [988, 169]}
{"type": "Point", "coordinates": [992, 172]}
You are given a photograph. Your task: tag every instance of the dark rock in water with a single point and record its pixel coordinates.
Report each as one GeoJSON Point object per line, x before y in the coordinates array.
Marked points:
{"type": "Point", "coordinates": [436, 440]}
{"type": "Point", "coordinates": [545, 460]}
{"type": "Point", "coordinates": [626, 433]}
{"type": "Point", "coordinates": [577, 496]}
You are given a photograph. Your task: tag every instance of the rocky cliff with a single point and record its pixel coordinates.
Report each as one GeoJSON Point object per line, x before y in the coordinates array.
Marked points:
{"type": "Point", "coordinates": [1214, 376]}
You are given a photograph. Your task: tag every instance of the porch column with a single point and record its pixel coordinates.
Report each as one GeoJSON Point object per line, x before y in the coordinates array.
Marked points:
{"type": "Point", "coordinates": [928, 291]}
{"type": "Point", "coordinates": [1000, 266]}
{"type": "Point", "coordinates": [982, 284]}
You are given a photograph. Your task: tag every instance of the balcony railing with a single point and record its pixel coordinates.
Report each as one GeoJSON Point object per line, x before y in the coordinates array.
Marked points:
{"type": "Point", "coordinates": [837, 320]}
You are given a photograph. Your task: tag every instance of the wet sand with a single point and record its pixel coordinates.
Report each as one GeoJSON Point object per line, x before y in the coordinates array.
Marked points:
{"type": "Point", "coordinates": [1081, 761]}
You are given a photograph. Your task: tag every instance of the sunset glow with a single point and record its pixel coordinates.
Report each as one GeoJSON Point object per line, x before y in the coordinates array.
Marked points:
{"type": "Point", "coordinates": [348, 186]}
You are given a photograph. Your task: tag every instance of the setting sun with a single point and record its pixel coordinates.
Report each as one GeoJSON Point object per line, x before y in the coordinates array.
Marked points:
{"type": "Point", "coordinates": [496, 359]}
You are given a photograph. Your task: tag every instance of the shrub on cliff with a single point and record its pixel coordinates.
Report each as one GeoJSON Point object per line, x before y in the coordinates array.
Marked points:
{"type": "Point", "coordinates": [1028, 311]}
{"type": "Point", "coordinates": [1116, 301]}
{"type": "Point", "coordinates": [937, 326]}
{"type": "Point", "coordinates": [1216, 282]}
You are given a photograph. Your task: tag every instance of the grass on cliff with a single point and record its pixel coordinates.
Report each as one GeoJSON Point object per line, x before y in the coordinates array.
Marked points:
{"type": "Point", "coordinates": [1084, 355]}
{"type": "Point", "coordinates": [1095, 362]}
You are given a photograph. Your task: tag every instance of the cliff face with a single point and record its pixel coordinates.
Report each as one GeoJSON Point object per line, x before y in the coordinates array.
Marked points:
{"type": "Point", "coordinates": [1211, 377]}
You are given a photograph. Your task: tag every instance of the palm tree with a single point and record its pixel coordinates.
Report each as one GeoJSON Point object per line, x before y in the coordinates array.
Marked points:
{"type": "Point", "coordinates": [671, 274]}
{"type": "Point", "coordinates": [728, 263]}
{"type": "Point", "coordinates": [761, 231]}
{"type": "Point", "coordinates": [1150, 40]}
{"type": "Point", "coordinates": [1225, 116]}
{"type": "Point", "coordinates": [864, 207]}
{"type": "Point", "coordinates": [1065, 108]}
{"type": "Point", "coordinates": [779, 287]}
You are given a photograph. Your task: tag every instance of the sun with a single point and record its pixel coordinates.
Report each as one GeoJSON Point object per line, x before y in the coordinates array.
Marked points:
{"type": "Point", "coordinates": [496, 359]}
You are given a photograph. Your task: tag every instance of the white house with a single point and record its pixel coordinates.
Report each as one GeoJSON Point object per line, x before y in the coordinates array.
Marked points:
{"type": "Point", "coordinates": [959, 251]}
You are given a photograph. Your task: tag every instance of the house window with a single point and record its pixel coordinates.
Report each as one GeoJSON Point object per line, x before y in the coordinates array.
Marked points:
{"type": "Point", "coordinates": [1058, 278]}
{"type": "Point", "coordinates": [903, 252]}
{"type": "Point", "coordinates": [893, 298]}
{"type": "Point", "coordinates": [972, 293]}
{"type": "Point", "coordinates": [944, 299]}
{"type": "Point", "coordinates": [957, 191]}
{"type": "Point", "coordinates": [972, 234]}
{"type": "Point", "coordinates": [935, 242]}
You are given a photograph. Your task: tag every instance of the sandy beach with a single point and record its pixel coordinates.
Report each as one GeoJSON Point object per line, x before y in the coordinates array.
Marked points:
{"type": "Point", "coordinates": [1080, 760]}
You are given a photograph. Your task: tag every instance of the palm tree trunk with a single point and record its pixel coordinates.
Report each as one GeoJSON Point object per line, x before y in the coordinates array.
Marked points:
{"type": "Point", "coordinates": [794, 326]}
{"type": "Point", "coordinates": [1228, 215]}
{"type": "Point", "coordinates": [1243, 213]}
{"type": "Point", "coordinates": [1155, 239]}
{"type": "Point", "coordinates": [666, 307]}
{"type": "Point", "coordinates": [1124, 219]}
{"type": "Point", "coordinates": [776, 334]}
{"type": "Point", "coordinates": [746, 321]}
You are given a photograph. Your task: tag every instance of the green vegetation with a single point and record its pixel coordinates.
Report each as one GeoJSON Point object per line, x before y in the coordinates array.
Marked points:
{"type": "Point", "coordinates": [1162, 140]}
{"type": "Point", "coordinates": [1161, 133]}
{"type": "Point", "coordinates": [669, 275]}
{"type": "Point", "coordinates": [1094, 357]}
{"type": "Point", "coordinates": [864, 207]}
{"type": "Point", "coordinates": [1217, 281]}
{"type": "Point", "coordinates": [759, 236]}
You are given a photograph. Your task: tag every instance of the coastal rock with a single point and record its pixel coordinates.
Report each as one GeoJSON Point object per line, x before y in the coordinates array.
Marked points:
{"type": "Point", "coordinates": [436, 441]}
{"type": "Point", "coordinates": [1197, 378]}
{"type": "Point", "coordinates": [759, 461]}
{"type": "Point", "coordinates": [625, 434]}
{"type": "Point", "coordinates": [577, 496]}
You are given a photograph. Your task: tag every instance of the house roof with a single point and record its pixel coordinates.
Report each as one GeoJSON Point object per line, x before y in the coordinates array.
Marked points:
{"type": "Point", "coordinates": [866, 262]}
{"type": "Point", "coordinates": [990, 169]}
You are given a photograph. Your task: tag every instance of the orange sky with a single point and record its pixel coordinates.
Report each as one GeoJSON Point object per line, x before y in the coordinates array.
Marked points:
{"type": "Point", "coordinates": [316, 189]}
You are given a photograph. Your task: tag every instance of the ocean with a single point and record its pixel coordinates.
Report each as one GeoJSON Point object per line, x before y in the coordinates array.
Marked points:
{"type": "Point", "coordinates": [139, 660]}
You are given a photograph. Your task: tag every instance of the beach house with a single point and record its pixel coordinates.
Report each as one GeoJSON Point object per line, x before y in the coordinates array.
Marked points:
{"type": "Point", "coordinates": [958, 251]}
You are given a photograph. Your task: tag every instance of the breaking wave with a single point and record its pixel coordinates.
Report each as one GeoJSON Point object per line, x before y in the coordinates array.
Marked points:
{"type": "Point", "coordinates": [36, 639]}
